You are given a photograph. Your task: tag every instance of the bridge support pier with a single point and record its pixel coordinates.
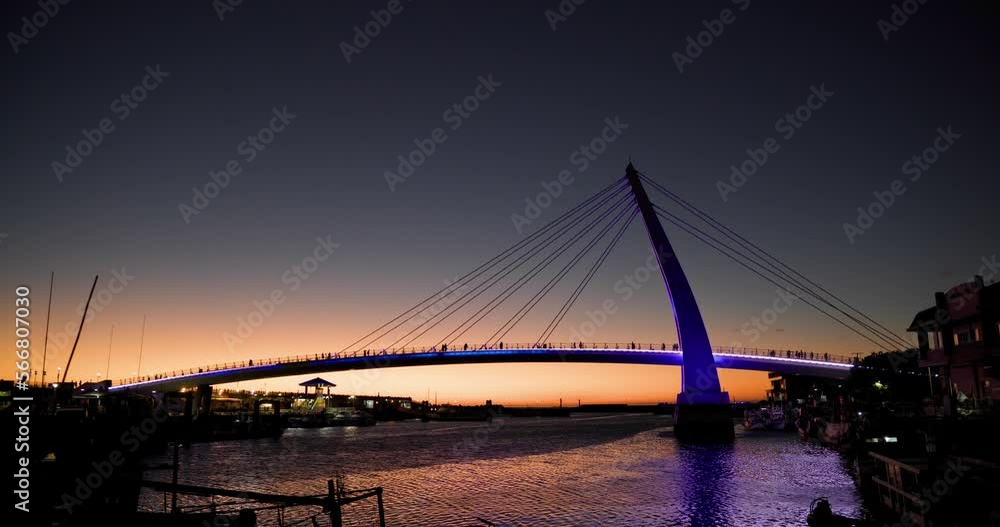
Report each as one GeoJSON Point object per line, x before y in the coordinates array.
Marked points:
{"type": "Point", "coordinates": [258, 425]}
{"type": "Point", "coordinates": [703, 419]}
{"type": "Point", "coordinates": [204, 401]}
{"type": "Point", "coordinates": [702, 411]}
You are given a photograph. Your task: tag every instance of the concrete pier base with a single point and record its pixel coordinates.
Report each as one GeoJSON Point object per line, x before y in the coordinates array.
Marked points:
{"type": "Point", "coordinates": [703, 418]}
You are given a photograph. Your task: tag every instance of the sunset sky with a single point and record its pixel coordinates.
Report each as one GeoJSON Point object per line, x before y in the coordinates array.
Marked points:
{"type": "Point", "coordinates": [323, 176]}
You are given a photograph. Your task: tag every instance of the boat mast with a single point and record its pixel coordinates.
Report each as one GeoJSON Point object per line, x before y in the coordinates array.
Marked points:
{"type": "Point", "coordinates": [48, 315]}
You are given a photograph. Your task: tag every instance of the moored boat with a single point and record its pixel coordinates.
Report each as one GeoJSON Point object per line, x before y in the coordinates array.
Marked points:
{"type": "Point", "coordinates": [755, 420]}
{"type": "Point", "coordinates": [778, 421]}
{"type": "Point", "coordinates": [354, 418]}
{"type": "Point", "coordinates": [764, 419]}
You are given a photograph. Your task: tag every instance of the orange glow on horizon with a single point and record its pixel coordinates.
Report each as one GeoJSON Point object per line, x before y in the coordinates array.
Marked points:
{"type": "Point", "coordinates": [189, 328]}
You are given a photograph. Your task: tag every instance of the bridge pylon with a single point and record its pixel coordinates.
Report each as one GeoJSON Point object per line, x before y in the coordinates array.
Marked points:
{"type": "Point", "coordinates": [703, 409]}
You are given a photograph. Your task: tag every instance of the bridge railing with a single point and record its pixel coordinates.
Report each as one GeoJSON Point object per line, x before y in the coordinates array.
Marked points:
{"type": "Point", "coordinates": [639, 347]}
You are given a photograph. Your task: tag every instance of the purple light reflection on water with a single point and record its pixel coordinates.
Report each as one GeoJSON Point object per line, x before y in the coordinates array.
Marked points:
{"type": "Point", "coordinates": [582, 471]}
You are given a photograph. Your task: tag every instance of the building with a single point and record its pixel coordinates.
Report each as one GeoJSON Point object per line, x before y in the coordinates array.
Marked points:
{"type": "Point", "coordinates": [801, 390]}
{"type": "Point", "coordinates": [785, 388]}
{"type": "Point", "coordinates": [959, 342]}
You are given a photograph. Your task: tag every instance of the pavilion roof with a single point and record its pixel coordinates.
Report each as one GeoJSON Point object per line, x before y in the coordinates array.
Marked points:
{"type": "Point", "coordinates": [317, 382]}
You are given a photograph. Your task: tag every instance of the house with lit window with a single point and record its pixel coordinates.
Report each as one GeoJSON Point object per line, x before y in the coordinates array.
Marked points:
{"type": "Point", "coordinates": [958, 339]}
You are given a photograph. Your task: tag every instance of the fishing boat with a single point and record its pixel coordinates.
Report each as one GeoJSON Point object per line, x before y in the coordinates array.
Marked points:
{"type": "Point", "coordinates": [307, 420]}
{"type": "Point", "coordinates": [826, 432]}
{"type": "Point", "coordinates": [458, 413]}
{"type": "Point", "coordinates": [353, 418]}
{"type": "Point", "coordinates": [764, 419]}
{"type": "Point", "coordinates": [755, 420]}
{"type": "Point", "coordinates": [778, 421]}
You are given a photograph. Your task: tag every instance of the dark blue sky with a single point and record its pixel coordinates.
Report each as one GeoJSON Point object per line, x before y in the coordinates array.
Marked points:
{"type": "Point", "coordinates": [324, 173]}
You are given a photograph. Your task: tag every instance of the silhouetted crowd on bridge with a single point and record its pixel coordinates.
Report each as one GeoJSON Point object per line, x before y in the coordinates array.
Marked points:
{"type": "Point", "coordinates": [803, 355]}
{"type": "Point", "coordinates": [465, 347]}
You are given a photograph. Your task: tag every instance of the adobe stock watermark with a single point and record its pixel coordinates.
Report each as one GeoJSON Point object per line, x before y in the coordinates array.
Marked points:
{"type": "Point", "coordinates": [579, 158]}
{"type": "Point", "coordinates": [425, 148]}
{"type": "Point", "coordinates": [374, 361]}
{"type": "Point", "coordinates": [899, 16]}
{"type": "Point", "coordinates": [438, 306]}
{"type": "Point", "coordinates": [768, 317]}
{"type": "Point", "coordinates": [373, 28]}
{"type": "Point", "coordinates": [932, 495]}
{"type": "Point", "coordinates": [377, 359]}
{"type": "Point", "coordinates": [787, 126]}
{"type": "Point", "coordinates": [361, 379]}
{"type": "Point", "coordinates": [915, 168]}
{"type": "Point", "coordinates": [30, 26]}
{"type": "Point", "coordinates": [713, 29]}
{"type": "Point", "coordinates": [626, 288]}
{"type": "Point", "coordinates": [225, 6]}
{"type": "Point", "coordinates": [122, 107]}
{"type": "Point", "coordinates": [293, 277]}
{"type": "Point", "coordinates": [249, 149]}
{"type": "Point", "coordinates": [565, 9]}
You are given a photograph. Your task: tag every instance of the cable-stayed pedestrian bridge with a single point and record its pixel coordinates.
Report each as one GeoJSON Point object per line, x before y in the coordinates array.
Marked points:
{"type": "Point", "coordinates": [702, 405]}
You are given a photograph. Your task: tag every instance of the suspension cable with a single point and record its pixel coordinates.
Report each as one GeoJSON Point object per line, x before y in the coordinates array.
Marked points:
{"type": "Point", "coordinates": [551, 328]}
{"type": "Point", "coordinates": [887, 335]}
{"type": "Point", "coordinates": [486, 266]}
{"type": "Point", "coordinates": [814, 306]}
{"type": "Point", "coordinates": [553, 281]}
{"type": "Point", "coordinates": [764, 256]}
{"type": "Point", "coordinates": [772, 272]}
{"type": "Point", "coordinates": [499, 275]}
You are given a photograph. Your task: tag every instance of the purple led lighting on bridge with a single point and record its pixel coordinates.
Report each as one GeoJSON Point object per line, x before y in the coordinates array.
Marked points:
{"type": "Point", "coordinates": [699, 378]}
{"type": "Point", "coordinates": [309, 365]}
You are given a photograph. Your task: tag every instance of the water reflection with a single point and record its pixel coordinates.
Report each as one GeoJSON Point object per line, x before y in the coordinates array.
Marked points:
{"type": "Point", "coordinates": [586, 471]}
{"type": "Point", "coordinates": [706, 482]}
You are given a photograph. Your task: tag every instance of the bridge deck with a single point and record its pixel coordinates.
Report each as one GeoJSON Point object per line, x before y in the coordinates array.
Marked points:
{"type": "Point", "coordinates": [781, 361]}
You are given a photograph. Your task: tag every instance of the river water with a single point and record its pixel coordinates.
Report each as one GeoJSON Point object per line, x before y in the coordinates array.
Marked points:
{"type": "Point", "coordinates": [586, 470]}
